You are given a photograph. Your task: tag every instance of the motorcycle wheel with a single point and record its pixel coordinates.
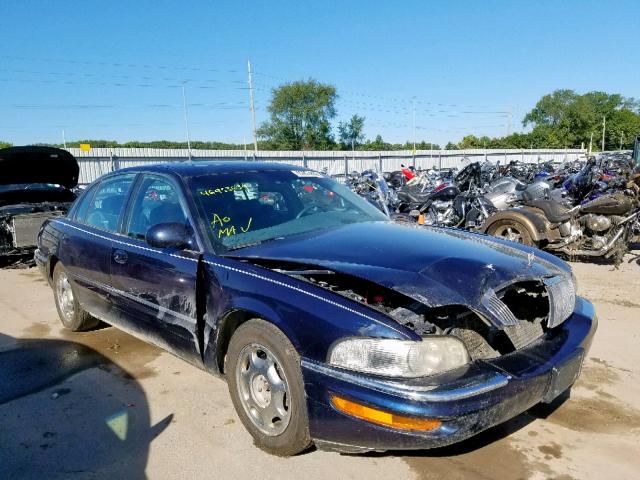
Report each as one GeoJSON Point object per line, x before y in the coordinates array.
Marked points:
{"type": "Point", "coordinates": [513, 231]}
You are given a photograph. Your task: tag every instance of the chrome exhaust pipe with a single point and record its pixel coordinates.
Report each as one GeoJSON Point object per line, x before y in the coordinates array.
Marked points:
{"type": "Point", "coordinates": [594, 253]}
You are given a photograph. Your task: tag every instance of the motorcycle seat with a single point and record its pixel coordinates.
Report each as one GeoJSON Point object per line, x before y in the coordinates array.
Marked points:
{"type": "Point", "coordinates": [554, 211]}
{"type": "Point", "coordinates": [410, 196]}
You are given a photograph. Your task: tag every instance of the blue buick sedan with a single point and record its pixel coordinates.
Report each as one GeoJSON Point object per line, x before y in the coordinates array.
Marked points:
{"type": "Point", "coordinates": [331, 324]}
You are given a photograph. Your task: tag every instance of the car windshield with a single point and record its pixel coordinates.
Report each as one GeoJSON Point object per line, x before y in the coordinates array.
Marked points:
{"type": "Point", "coordinates": [245, 208]}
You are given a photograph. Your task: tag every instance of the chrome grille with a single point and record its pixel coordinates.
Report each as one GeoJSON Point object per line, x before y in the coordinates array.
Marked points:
{"type": "Point", "coordinates": [562, 299]}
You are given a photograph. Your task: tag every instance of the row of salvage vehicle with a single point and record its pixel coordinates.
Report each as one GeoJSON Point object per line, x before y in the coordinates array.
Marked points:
{"type": "Point", "coordinates": [331, 324]}
{"type": "Point", "coordinates": [577, 210]}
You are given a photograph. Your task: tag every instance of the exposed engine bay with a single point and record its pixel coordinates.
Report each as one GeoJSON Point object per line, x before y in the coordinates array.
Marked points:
{"type": "Point", "coordinates": [528, 301]}
{"type": "Point", "coordinates": [36, 183]}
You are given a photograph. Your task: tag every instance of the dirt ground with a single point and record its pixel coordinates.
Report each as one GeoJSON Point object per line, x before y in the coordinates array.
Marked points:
{"type": "Point", "coordinates": [116, 407]}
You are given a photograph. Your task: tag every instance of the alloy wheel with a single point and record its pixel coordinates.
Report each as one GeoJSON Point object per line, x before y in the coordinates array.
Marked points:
{"type": "Point", "coordinates": [65, 296]}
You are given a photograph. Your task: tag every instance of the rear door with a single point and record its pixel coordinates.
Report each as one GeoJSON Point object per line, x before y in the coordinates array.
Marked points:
{"type": "Point", "coordinates": [87, 238]}
{"type": "Point", "coordinates": [156, 288]}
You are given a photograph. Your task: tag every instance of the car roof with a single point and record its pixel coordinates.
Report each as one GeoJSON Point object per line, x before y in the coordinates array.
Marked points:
{"type": "Point", "coordinates": [203, 167]}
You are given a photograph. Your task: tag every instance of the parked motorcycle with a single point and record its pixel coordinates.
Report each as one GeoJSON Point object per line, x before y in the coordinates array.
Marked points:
{"type": "Point", "coordinates": [373, 187]}
{"type": "Point", "coordinates": [598, 227]}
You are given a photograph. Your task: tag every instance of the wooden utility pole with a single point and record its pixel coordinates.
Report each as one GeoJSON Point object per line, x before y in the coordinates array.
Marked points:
{"type": "Point", "coordinates": [604, 126]}
{"type": "Point", "coordinates": [253, 109]}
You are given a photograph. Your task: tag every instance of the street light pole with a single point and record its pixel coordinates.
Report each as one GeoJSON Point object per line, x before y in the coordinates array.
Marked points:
{"type": "Point", "coordinates": [413, 104]}
{"type": "Point", "coordinates": [186, 119]}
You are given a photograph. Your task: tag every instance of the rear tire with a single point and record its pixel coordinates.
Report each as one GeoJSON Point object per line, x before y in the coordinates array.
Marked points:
{"type": "Point", "coordinates": [71, 314]}
{"type": "Point", "coordinates": [265, 383]}
{"type": "Point", "coordinates": [512, 230]}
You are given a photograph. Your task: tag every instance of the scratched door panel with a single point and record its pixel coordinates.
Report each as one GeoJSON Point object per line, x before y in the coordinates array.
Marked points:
{"type": "Point", "coordinates": [156, 288]}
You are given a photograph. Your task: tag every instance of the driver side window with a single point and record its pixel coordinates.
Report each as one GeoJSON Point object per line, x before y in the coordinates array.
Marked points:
{"type": "Point", "coordinates": [156, 201]}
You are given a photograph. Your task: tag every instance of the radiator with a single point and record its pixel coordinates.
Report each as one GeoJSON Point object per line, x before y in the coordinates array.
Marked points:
{"type": "Point", "coordinates": [25, 228]}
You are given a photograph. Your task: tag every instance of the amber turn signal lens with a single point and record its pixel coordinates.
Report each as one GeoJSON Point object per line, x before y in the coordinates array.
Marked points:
{"type": "Point", "coordinates": [380, 417]}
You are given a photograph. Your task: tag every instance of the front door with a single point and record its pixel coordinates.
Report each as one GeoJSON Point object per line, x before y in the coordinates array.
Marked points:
{"type": "Point", "coordinates": [156, 288]}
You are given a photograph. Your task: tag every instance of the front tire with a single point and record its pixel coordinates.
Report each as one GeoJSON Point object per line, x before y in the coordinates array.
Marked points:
{"type": "Point", "coordinates": [512, 230]}
{"type": "Point", "coordinates": [266, 387]}
{"type": "Point", "coordinates": [71, 314]}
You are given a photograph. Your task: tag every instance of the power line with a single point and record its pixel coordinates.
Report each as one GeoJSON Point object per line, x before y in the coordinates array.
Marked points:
{"type": "Point", "coordinates": [118, 64]}
{"type": "Point", "coordinates": [115, 84]}
{"type": "Point", "coordinates": [212, 106]}
{"type": "Point", "coordinates": [388, 98]}
{"type": "Point", "coordinates": [126, 77]}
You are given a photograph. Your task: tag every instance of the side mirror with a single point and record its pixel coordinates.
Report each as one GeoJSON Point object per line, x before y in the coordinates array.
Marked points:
{"type": "Point", "coordinates": [169, 235]}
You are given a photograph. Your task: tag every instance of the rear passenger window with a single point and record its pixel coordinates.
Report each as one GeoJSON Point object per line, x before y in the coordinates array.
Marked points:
{"type": "Point", "coordinates": [155, 202]}
{"type": "Point", "coordinates": [85, 203]}
{"type": "Point", "coordinates": [106, 205]}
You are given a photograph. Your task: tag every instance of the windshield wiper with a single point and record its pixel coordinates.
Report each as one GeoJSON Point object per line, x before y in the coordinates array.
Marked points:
{"type": "Point", "coordinates": [252, 244]}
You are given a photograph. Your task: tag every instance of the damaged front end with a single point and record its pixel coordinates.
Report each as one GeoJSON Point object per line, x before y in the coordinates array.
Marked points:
{"type": "Point", "coordinates": [523, 331]}
{"type": "Point", "coordinates": [505, 319]}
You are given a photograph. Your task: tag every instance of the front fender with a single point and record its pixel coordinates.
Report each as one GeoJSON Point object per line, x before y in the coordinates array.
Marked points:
{"type": "Point", "coordinates": [312, 318]}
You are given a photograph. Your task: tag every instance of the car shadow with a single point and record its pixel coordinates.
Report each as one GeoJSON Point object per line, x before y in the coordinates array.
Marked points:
{"type": "Point", "coordinates": [482, 439]}
{"type": "Point", "coordinates": [65, 409]}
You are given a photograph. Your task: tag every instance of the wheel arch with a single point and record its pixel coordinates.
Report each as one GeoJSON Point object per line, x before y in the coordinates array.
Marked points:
{"type": "Point", "coordinates": [229, 321]}
{"type": "Point", "coordinates": [51, 265]}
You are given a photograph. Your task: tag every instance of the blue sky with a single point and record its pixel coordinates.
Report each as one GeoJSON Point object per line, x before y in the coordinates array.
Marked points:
{"type": "Point", "coordinates": [113, 69]}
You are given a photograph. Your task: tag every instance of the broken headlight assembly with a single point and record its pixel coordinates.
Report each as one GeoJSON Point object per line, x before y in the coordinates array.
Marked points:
{"type": "Point", "coordinates": [400, 358]}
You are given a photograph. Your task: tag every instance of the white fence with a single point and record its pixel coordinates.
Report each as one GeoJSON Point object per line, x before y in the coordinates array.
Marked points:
{"type": "Point", "coordinates": [99, 161]}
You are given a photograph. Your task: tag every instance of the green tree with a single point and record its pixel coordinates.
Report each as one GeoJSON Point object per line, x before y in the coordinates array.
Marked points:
{"type": "Point", "coordinates": [567, 119]}
{"type": "Point", "coordinates": [377, 144]}
{"type": "Point", "coordinates": [351, 133]}
{"type": "Point", "coordinates": [5, 145]}
{"type": "Point", "coordinates": [551, 109]}
{"type": "Point", "coordinates": [300, 116]}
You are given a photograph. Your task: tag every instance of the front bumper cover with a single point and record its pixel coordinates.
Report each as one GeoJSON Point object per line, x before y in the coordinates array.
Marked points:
{"type": "Point", "coordinates": [467, 400]}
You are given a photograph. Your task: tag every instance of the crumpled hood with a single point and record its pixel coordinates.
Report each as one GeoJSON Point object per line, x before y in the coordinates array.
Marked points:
{"type": "Point", "coordinates": [435, 266]}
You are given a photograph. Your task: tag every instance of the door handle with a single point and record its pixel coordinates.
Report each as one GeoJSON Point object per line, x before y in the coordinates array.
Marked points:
{"type": "Point", "coordinates": [120, 256]}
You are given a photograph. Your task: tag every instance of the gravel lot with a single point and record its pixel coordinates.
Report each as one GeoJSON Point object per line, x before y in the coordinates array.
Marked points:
{"type": "Point", "coordinates": [123, 409]}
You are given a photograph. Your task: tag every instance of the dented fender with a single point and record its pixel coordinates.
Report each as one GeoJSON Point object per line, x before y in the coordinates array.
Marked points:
{"type": "Point", "coordinates": [311, 317]}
